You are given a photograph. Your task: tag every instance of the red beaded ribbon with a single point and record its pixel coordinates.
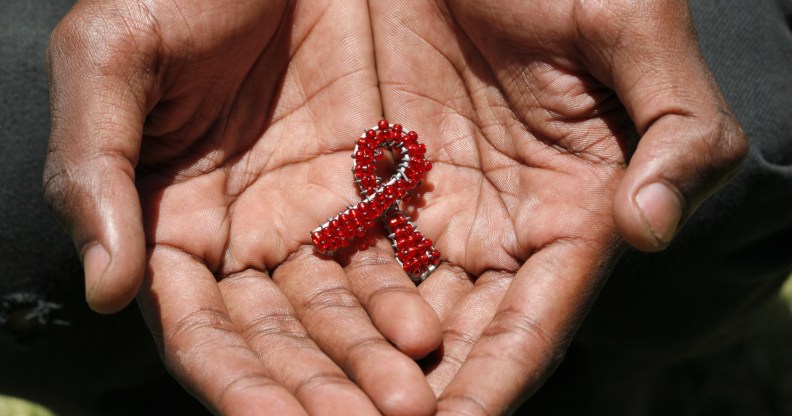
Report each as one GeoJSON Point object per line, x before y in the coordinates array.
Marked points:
{"type": "Point", "coordinates": [414, 252]}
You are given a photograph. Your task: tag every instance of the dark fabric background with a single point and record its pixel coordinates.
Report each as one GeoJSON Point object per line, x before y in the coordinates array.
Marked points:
{"type": "Point", "coordinates": [700, 296]}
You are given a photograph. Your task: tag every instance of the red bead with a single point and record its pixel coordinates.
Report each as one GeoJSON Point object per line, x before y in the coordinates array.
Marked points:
{"type": "Point", "coordinates": [414, 251]}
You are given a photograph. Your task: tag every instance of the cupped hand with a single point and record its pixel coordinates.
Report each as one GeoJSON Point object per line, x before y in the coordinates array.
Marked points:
{"type": "Point", "coordinates": [197, 145]}
{"type": "Point", "coordinates": [557, 131]}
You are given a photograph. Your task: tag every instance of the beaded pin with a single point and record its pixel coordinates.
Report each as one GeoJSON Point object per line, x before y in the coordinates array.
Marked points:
{"type": "Point", "coordinates": [414, 252]}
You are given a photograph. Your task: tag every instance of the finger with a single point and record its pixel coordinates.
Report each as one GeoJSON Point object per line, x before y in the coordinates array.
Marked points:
{"type": "Point", "coordinates": [463, 324]}
{"type": "Point", "coordinates": [270, 327]}
{"type": "Point", "coordinates": [444, 288]}
{"type": "Point", "coordinates": [392, 301]}
{"type": "Point", "coordinates": [690, 142]}
{"type": "Point", "coordinates": [98, 109]}
{"type": "Point", "coordinates": [529, 331]}
{"type": "Point", "coordinates": [200, 344]}
{"type": "Point", "coordinates": [341, 327]}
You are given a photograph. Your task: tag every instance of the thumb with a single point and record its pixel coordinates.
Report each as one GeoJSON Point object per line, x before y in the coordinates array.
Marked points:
{"type": "Point", "coordinates": [690, 144]}
{"type": "Point", "coordinates": [680, 161]}
{"type": "Point", "coordinates": [98, 111]}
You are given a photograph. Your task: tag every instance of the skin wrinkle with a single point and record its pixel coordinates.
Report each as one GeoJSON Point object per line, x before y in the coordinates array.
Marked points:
{"type": "Point", "coordinates": [470, 242]}
{"type": "Point", "coordinates": [582, 15]}
{"type": "Point", "coordinates": [277, 342]}
{"type": "Point", "coordinates": [326, 297]}
{"type": "Point", "coordinates": [207, 317]}
{"type": "Point", "coordinates": [305, 104]}
{"type": "Point", "coordinates": [188, 152]}
{"type": "Point", "coordinates": [318, 381]}
{"type": "Point", "coordinates": [448, 401]}
{"type": "Point", "coordinates": [550, 116]}
{"type": "Point", "coordinates": [363, 347]}
{"type": "Point", "coordinates": [386, 290]}
{"type": "Point", "coordinates": [377, 255]}
{"type": "Point", "coordinates": [297, 75]}
{"type": "Point", "coordinates": [535, 98]}
{"type": "Point", "coordinates": [286, 164]}
{"type": "Point", "coordinates": [195, 126]}
{"type": "Point", "coordinates": [225, 109]}
{"type": "Point", "coordinates": [488, 140]}
{"type": "Point", "coordinates": [511, 322]}
{"type": "Point", "coordinates": [241, 383]}
{"type": "Point", "coordinates": [485, 177]}
{"type": "Point", "coordinates": [435, 48]}
{"type": "Point", "coordinates": [231, 261]}
{"type": "Point", "coordinates": [445, 104]}
{"type": "Point", "coordinates": [281, 323]}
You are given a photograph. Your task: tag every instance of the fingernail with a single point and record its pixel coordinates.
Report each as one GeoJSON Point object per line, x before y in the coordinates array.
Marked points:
{"type": "Point", "coordinates": [661, 210]}
{"type": "Point", "coordinates": [95, 262]}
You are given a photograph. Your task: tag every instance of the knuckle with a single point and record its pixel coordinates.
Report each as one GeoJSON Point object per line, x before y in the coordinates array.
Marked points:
{"type": "Point", "coordinates": [375, 258]}
{"type": "Point", "coordinates": [267, 330]}
{"type": "Point", "coordinates": [202, 319]}
{"type": "Point", "coordinates": [458, 340]}
{"type": "Point", "coordinates": [463, 405]}
{"type": "Point", "coordinates": [238, 388]}
{"type": "Point", "coordinates": [364, 347]}
{"type": "Point", "coordinates": [329, 298]}
{"type": "Point", "coordinates": [320, 380]}
{"type": "Point", "coordinates": [457, 345]}
{"type": "Point", "coordinates": [388, 288]}
{"type": "Point", "coordinates": [514, 328]}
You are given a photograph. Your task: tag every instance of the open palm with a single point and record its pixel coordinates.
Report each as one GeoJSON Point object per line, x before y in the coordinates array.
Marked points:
{"type": "Point", "coordinates": [530, 143]}
{"type": "Point", "coordinates": [248, 113]}
{"type": "Point", "coordinates": [251, 112]}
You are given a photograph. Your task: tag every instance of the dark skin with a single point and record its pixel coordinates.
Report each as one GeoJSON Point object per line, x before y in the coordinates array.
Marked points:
{"type": "Point", "coordinates": [231, 129]}
{"type": "Point", "coordinates": [537, 180]}
{"type": "Point", "coordinates": [205, 144]}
